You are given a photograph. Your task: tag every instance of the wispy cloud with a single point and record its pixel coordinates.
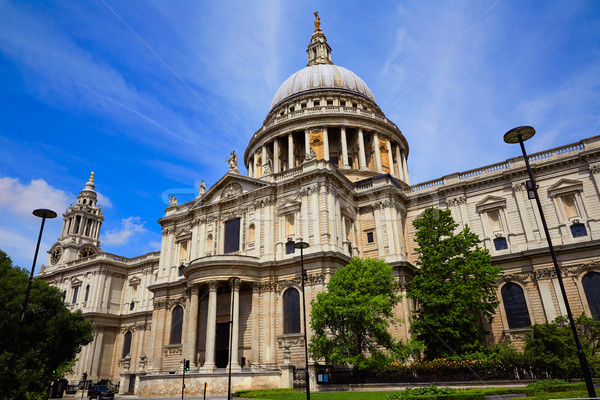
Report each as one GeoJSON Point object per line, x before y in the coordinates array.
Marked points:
{"type": "Point", "coordinates": [122, 235]}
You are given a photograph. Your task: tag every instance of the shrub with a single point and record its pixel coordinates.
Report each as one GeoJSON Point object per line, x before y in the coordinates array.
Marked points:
{"type": "Point", "coordinates": [544, 386]}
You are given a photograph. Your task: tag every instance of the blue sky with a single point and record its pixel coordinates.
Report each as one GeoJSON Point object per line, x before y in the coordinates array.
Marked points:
{"type": "Point", "coordinates": [154, 95]}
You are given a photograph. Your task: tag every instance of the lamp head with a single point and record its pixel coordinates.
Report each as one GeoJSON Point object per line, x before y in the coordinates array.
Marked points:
{"type": "Point", "coordinates": [44, 213]}
{"type": "Point", "coordinates": [301, 245]}
{"type": "Point", "coordinates": [525, 132]}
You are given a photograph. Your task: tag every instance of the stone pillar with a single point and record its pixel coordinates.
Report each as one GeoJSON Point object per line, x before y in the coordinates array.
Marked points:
{"type": "Point", "coordinates": [390, 156]}
{"type": "Point", "coordinates": [291, 162]}
{"type": "Point", "coordinates": [95, 361]}
{"type": "Point", "coordinates": [405, 167]}
{"type": "Point", "coordinates": [362, 158]}
{"type": "Point", "coordinates": [235, 326]}
{"type": "Point", "coordinates": [211, 328]}
{"type": "Point", "coordinates": [399, 171]}
{"type": "Point", "coordinates": [192, 326]}
{"type": "Point", "coordinates": [276, 166]}
{"type": "Point", "coordinates": [377, 153]}
{"type": "Point", "coordinates": [265, 159]}
{"type": "Point", "coordinates": [325, 144]}
{"type": "Point", "coordinates": [345, 164]}
{"type": "Point", "coordinates": [306, 142]}
{"type": "Point", "coordinates": [256, 336]}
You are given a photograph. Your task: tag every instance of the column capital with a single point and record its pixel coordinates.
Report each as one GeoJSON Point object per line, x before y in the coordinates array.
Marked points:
{"type": "Point", "coordinates": [235, 284]}
{"type": "Point", "coordinates": [212, 286]}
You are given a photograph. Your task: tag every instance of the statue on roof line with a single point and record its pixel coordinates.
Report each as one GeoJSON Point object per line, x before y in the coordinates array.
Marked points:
{"type": "Point", "coordinates": [311, 155]}
{"type": "Point", "coordinates": [201, 188]}
{"type": "Point", "coordinates": [172, 201]}
{"type": "Point", "coordinates": [233, 167]}
{"type": "Point", "coordinates": [317, 21]}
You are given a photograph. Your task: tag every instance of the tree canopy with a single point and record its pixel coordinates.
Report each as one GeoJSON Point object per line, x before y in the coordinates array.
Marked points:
{"type": "Point", "coordinates": [455, 286]}
{"type": "Point", "coordinates": [350, 320]}
{"type": "Point", "coordinates": [50, 338]}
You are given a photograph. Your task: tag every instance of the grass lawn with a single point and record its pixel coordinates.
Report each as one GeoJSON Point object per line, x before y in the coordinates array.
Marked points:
{"type": "Point", "coordinates": [297, 395]}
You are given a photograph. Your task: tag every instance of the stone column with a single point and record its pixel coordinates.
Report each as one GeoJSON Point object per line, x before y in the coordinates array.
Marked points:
{"type": "Point", "coordinates": [405, 166]}
{"type": "Point", "coordinates": [290, 151]}
{"type": "Point", "coordinates": [235, 326]}
{"type": "Point", "coordinates": [306, 142]}
{"type": "Point", "coordinates": [390, 156]}
{"type": "Point", "coordinates": [325, 144]}
{"type": "Point", "coordinates": [361, 151]}
{"type": "Point", "coordinates": [265, 159]}
{"type": "Point", "coordinates": [399, 173]}
{"type": "Point", "coordinates": [276, 166]}
{"type": "Point", "coordinates": [377, 153]}
{"type": "Point", "coordinates": [211, 328]}
{"type": "Point", "coordinates": [192, 326]}
{"type": "Point", "coordinates": [345, 164]}
{"type": "Point", "coordinates": [256, 336]}
{"type": "Point", "coordinates": [95, 361]}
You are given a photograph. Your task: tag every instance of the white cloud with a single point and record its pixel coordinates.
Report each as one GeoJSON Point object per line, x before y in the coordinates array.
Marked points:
{"type": "Point", "coordinates": [24, 198]}
{"type": "Point", "coordinates": [122, 235]}
{"type": "Point", "coordinates": [104, 201]}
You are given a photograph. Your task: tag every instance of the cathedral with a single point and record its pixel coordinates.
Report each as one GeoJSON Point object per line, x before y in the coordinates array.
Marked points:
{"type": "Point", "coordinates": [328, 168]}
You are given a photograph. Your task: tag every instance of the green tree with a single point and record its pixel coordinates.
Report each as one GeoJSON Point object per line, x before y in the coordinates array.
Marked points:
{"type": "Point", "coordinates": [455, 286]}
{"type": "Point", "coordinates": [350, 320]}
{"type": "Point", "coordinates": [550, 348]}
{"type": "Point", "coordinates": [49, 339]}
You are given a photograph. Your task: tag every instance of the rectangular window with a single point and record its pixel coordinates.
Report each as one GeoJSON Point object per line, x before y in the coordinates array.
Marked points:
{"type": "Point", "coordinates": [232, 235]}
{"type": "Point", "coordinates": [289, 248]}
{"type": "Point", "coordinates": [334, 161]}
{"type": "Point", "coordinates": [370, 237]}
{"type": "Point", "coordinates": [289, 225]}
{"type": "Point", "coordinates": [75, 292]}
{"type": "Point", "coordinates": [317, 103]}
{"type": "Point", "coordinates": [329, 102]}
{"type": "Point", "coordinates": [183, 251]}
{"type": "Point", "coordinates": [303, 106]}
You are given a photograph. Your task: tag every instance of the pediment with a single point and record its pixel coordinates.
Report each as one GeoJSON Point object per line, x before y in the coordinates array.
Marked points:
{"type": "Point", "coordinates": [229, 186]}
{"type": "Point", "coordinates": [565, 185]}
{"type": "Point", "coordinates": [490, 202]}
{"type": "Point", "coordinates": [183, 233]}
{"type": "Point", "coordinates": [288, 205]}
{"type": "Point", "coordinates": [135, 281]}
{"type": "Point", "coordinates": [75, 281]}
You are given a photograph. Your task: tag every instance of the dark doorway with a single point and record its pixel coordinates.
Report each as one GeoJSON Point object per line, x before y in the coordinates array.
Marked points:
{"type": "Point", "coordinates": [131, 384]}
{"type": "Point", "coordinates": [222, 345]}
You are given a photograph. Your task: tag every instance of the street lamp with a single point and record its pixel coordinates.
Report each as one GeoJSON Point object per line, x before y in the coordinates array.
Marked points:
{"type": "Point", "coordinates": [302, 246]}
{"type": "Point", "coordinates": [43, 214]}
{"type": "Point", "coordinates": [232, 282]}
{"type": "Point", "coordinates": [519, 135]}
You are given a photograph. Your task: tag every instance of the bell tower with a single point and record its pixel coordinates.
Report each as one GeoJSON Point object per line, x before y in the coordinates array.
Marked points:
{"type": "Point", "coordinates": [318, 50]}
{"type": "Point", "coordinates": [80, 235]}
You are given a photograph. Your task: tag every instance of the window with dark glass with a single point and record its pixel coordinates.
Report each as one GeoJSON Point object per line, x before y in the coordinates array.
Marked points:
{"type": "Point", "coordinates": [334, 161]}
{"type": "Point", "coordinates": [87, 293]}
{"type": "Point", "coordinates": [591, 287]}
{"type": "Point", "coordinates": [176, 325]}
{"type": "Point", "coordinates": [291, 311]}
{"type": "Point", "coordinates": [370, 237]}
{"type": "Point", "coordinates": [515, 306]}
{"type": "Point", "coordinates": [75, 292]}
{"type": "Point", "coordinates": [126, 344]}
{"type": "Point", "coordinates": [232, 235]}
{"type": "Point", "coordinates": [500, 243]}
{"type": "Point", "coordinates": [578, 230]}
{"type": "Point", "coordinates": [289, 248]}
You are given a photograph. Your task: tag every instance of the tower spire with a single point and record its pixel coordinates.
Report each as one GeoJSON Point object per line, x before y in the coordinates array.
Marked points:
{"type": "Point", "coordinates": [318, 50]}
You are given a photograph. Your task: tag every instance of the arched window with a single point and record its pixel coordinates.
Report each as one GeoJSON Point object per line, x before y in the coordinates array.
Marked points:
{"type": "Point", "coordinates": [87, 293]}
{"type": "Point", "coordinates": [209, 244]}
{"type": "Point", "coordinates": [176, 325]}
{"type": "Point", "coordinates": [515, 306]}
{"type": "Point", "coordinates": [251, 233]}
{"type": "Point", "coordinates": [591, 287]}
{"type": "Point", "coordinates": [126, 344]}
{"type": "Point", "coordinates": [291, 311]}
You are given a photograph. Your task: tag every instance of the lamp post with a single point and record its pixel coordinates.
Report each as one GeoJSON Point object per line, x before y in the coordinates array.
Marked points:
{"type": "Point", "coordinates": [232, 282]}
{"type": "Point", "coordinates": [43, 214]}
{"type": "Point", "coordinates": [303, 245]}
{"type": "Point", "coordinates": [519, 135]}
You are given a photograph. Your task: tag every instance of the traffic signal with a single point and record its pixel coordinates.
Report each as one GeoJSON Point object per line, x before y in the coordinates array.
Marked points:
{"type": "Point", "coordinates": [187, 365]}
{"type": "Point", "coordinates": [84, 377]}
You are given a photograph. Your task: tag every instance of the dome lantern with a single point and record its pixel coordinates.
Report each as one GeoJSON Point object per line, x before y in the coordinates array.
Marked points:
{"type": "Point", "coordinates": [318, 50]}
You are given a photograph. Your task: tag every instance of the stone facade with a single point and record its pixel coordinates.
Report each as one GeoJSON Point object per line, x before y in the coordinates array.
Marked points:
{"type": "Point", "coordinates": [327, 167]}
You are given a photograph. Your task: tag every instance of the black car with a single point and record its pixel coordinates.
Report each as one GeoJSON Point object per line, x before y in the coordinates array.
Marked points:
{"type": "Point", "coordinates": [100, 392]}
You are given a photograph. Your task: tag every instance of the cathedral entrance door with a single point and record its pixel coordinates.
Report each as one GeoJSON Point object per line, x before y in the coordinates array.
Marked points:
{"type": "Point", "coordinates": [222, 345]}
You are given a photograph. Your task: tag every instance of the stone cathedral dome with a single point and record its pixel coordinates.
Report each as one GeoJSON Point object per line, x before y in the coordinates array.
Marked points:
{"type": "Point", "coordinates": [321, 76]}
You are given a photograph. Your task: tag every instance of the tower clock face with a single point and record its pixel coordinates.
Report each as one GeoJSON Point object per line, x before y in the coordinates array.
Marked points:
{"type": "Point", "coordinates": [55, 255]}
{"type": "Point", "coordinates": [86, 252]}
